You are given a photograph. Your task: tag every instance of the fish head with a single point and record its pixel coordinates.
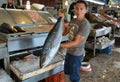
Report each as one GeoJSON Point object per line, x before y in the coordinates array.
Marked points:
{"type": "Point", "coordinates": [43, 57]}
{"type": "Point", "coordinates": [46, 57]}
{"type": "Point", "coordinates": [42, 60]}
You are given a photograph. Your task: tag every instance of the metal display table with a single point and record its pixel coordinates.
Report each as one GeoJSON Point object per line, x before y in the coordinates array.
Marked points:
{"type": "Point", "coordinates": [95, 33]}
{"type": "Point", "coordinates": [37, 26]}
{"type": "Point", "coordinates": [32, 72]}
{"type": "Point", "coordinates": [34, 37]}
{"type": "Point", "coordinates": [4, 54]}
{"type": "Point", "coordinates": [3, 50]}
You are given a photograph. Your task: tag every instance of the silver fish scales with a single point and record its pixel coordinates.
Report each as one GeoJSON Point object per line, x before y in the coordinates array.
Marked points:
{"type": "Point", "coordinates": [52, 44]}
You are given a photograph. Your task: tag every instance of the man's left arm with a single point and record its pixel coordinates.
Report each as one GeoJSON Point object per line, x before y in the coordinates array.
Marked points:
{"type": "Point", "coordinates": [73, 43]}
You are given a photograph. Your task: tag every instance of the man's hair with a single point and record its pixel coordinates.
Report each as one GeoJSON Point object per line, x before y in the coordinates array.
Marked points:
{"type": "Point", "coordinates": [82, 1]}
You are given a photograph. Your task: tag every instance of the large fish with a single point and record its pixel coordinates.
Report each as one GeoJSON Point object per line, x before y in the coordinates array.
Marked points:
{"type": "Point", "coordinates": [51, 44]}
{"type": "Point", "coordinates": [7, 28]}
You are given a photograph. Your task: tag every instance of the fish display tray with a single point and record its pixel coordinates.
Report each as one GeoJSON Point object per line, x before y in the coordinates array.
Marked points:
{"type": "Point", "coordinates": [100, 46]}
{"type": "Point", "coordinates": [29, 32]}
{"type": "Point", "coordinates": [33, 37]}
{"type": "Point", "coordinates": [101, 31]}
{"type": "Point", "coordinates": [31, 68]}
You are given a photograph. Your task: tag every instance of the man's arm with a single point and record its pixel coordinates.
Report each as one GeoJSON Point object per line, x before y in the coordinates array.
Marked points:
{"type": "Point", "coordinates": [66, 28]}
{"type": "Point", "coordinates": [74, 43]}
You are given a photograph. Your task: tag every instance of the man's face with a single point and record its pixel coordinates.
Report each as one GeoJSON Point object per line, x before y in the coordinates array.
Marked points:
{"type": "Point", "coordinates": [10, 1]}
{"type": "Point", "coordinates": [80, 10]}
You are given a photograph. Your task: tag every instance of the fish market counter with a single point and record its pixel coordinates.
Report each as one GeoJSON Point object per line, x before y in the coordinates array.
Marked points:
{"type": "Point", "coordinates": [4, 77]}
{"type": "Point", "coordinates": [26, 42]}
{"type": "Point", "coordinates": [3, 50]}
{"type": "Point", "coordinates": [29, 70]}
{"type": "Point", "coordinates": [4, 54]}
{"type": "Point", "coordinates": [32, 30]}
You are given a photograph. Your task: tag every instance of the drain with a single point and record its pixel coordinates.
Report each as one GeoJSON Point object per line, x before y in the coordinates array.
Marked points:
{"type": "Point", "coordinates": [117, 64]}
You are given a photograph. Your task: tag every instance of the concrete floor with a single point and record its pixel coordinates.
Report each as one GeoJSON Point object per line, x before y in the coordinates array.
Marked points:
{"type": "Point", "coordinates": [105, 67]}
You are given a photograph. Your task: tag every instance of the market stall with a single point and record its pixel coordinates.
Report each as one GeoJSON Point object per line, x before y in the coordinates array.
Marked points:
{"type": "Point", "coordinates": [35, 27]}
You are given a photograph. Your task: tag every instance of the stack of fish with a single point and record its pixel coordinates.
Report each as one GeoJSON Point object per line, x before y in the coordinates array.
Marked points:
{"type": "Point", "coordinates": [7, 28]}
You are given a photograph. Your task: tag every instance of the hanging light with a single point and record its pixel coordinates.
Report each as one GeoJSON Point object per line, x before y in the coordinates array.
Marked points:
{"type": "Point", "coordinates": [96, 2]}
{"type": "Point", "coordinates": [118, 6]}
{"type": "Point", "coordinates": [110, 6]}
{"type": "Point", "coordinates": [66, 3]}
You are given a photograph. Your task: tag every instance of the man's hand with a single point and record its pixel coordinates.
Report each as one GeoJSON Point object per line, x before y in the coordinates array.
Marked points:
{"type": "Point", "coordinates": [60, 14]}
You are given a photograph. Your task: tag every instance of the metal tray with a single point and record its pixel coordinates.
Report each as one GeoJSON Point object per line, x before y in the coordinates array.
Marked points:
{"type": "Point", "coordinates": [33, 37]}
{"type": "Point", "coordinates": [99, 46]}
{"type": "Point", "coordinates": [101, 31]}
{"type": "Point", "coordinates": [55, 66]}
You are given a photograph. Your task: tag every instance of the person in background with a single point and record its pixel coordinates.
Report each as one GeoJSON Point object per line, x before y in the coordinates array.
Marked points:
{"type": "Point", "coordinates": [10, 4]}
{"type": "Point", "coordinates": [78, 30]}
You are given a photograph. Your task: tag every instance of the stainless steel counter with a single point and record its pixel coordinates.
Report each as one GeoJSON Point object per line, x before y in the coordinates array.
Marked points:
{"type": "Point", "coordinates": [4, 55]}
{"type": "Point", "coordinates": [3, 50]}
{"type": "Point", "coordinates": [37, 26]}
{"type": "Point", "coordinates": [31, 72]}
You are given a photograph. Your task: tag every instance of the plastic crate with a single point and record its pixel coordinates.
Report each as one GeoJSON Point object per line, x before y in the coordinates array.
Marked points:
{"type": "Point", "coordinates": [59, 77]}
{"type": "Point", "coordinates": [106, 50]}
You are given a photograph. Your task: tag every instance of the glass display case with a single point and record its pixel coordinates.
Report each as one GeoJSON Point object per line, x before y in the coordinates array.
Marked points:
{"type": "Point", "coordinates": [36, 18]}
{"type": "Point", "coordinates": [5, 18]}
{"type": "Point", "coordinates": [20, 18]}
{"type": "Point", "coordinates": [26, 18]}
{"type": "Point", "coordinates": [41, 17]}
{"type": "Point", "coordinates": [47, 16]}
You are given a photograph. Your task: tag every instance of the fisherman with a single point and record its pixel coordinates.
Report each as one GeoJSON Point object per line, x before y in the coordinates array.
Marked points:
{"type": "Point", "coordinates": [10, 4]}
{"type": "Point", "coordinates": [78, 30]}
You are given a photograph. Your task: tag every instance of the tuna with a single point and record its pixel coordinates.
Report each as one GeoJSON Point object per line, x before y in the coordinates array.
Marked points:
{"type": "Point", "coordinates": [52, 44]}
{"type": "Point", "coordinates": [7, 28]}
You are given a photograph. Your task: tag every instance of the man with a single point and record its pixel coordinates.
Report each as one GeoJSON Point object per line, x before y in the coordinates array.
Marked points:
{"type": "Point", "coordinates": [10, 4]}
{"type": "Point", "coordinates": [78, 30]}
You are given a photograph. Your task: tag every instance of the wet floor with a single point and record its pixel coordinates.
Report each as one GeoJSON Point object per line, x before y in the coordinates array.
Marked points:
{"type": "Point", "coordinates": [105, 67]}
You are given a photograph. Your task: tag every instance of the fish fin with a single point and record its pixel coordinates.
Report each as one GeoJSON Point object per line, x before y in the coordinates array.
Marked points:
{"type": "Point", "coordinates": [61, 54]}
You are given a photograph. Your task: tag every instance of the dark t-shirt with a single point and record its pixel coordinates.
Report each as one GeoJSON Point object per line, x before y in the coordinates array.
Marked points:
{"type": "Point", "coordinates": [8, 6]}
{"type": "Point", "coordinates": [81, 28]}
